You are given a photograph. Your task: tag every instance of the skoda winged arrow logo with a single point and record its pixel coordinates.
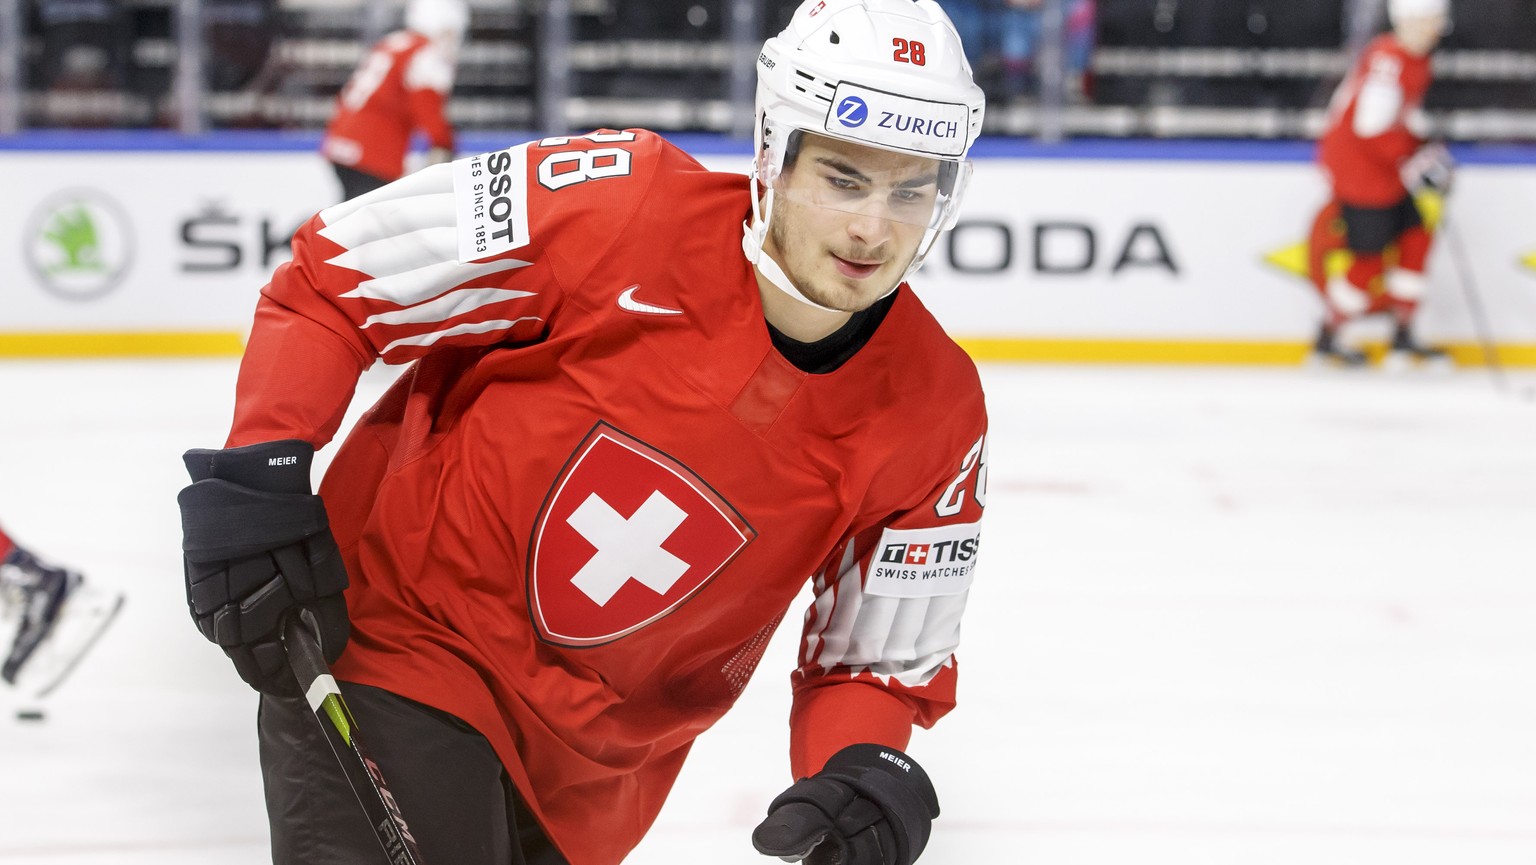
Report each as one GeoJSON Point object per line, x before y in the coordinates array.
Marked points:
{"type": "Point", "coordinates": [79, 244]}
{"type": "Point", "coordinates": [852, 112]}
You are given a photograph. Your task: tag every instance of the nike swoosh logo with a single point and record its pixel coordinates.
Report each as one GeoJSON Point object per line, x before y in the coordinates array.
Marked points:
{"type": "Point", "coordinates": [627, 302]}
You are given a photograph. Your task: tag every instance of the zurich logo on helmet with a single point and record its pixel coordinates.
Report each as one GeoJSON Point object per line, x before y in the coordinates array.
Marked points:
{"type": "Point", "coordinates": [852, 112]}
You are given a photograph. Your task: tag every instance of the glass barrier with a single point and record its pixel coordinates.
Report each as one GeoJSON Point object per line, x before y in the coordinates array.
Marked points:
{"type": "Point", "coordinates": [1051, 68]}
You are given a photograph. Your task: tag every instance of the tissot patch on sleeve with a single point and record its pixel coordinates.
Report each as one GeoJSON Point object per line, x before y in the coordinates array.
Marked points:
{"type": "Point", "coordinates": [490, 200]}
{"type": "Point", "coordinates": [924, 563]}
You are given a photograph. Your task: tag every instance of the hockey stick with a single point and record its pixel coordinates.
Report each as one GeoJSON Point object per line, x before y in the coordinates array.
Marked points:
{"type": "Point", "coordinates": [308, 663]}
{"type": "Point", "coordinates": [1475, 305]}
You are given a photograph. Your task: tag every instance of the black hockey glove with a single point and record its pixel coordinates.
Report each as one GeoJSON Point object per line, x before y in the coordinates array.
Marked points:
{"type": "Point", "coordinates": [871, 805]}
{"type": "Point", "coordinates": [257, 545]}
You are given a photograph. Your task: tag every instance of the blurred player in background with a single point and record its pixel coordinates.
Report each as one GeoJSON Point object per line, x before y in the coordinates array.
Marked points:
{"type": "Point", "coordinates": [650, 403]}
{"type": "Point", "coordinates": [1374, 155]}
{"type": "Point", "coordinates": [56, 617]}
{"type": "Point", "coordinates": [401, 86]}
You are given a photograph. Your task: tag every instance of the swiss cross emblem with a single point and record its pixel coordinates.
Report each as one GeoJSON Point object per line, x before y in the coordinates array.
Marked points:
{"type": "Point", "coordinates": [917, 554]}
{"type": "Point", "coordinates": [626, 536]}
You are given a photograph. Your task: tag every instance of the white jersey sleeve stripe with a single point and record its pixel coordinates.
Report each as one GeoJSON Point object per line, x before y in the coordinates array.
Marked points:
{"type": "Point", "coordinates": [402, 252]}
{"type": "Point", "coordinates": [449, 305]}
{"type": "Point", "coordinates": [941, 628]}
{"type": "Point", "coordinates": [908, 620]}
{"type": "Point", "coordinates": [820, 612]}
{"type": "Point", "coordinates": [474, 327]}
{"type": "Point", "coordinates": [870, 630]}
{"type": "Point", "coordinates": [815, 623]}
{"type": "Point", "coordinates": [410, 287]}
{"type": "Point", "coordinates": [390, 218]}
{"type": "Point", "coordinates": [837, 634]}
{"type": "Point", "coordinates": [908, 639]}
{"type": "Point", "coordinates": [434, 180]}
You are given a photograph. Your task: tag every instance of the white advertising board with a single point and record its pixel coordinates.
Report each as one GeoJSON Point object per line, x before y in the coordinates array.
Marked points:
{"type": "Point", "coordinates": [160, 241]}
{"type": "Point", "coordinates": [1200, 251]}
{"type": "Point", "coordinates": [1096, 253]}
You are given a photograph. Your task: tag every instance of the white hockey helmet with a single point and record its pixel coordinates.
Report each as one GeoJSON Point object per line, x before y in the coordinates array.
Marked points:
{"type": "Point", "coordinates": [437, 18]}
{"type": "Point", "coordinates": [1399, 11]}
{"type": "Point", "coordinates": [887, 74]}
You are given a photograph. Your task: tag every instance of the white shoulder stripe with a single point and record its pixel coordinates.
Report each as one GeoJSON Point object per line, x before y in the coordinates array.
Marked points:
{"type": "Point", "coordinates": [449, 305]}
{"type": "Point", "coordinates": [474, 327]}
{"type": "Point", "coordinates": [431, 181]}
{"type": "Point", "coordinates": [390, 218]}
{"type": "Point", "coordinates": [387, 255]}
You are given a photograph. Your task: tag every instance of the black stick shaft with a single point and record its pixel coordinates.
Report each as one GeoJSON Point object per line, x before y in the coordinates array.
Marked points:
{"type": "Point", "coordinates": [314, 676]}
{"type": "Point", "coordinates": [1473, 297]}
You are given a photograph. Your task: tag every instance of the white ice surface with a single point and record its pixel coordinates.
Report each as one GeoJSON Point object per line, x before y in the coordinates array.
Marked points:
{"type": "Point", "coordinates": [1239, 617]}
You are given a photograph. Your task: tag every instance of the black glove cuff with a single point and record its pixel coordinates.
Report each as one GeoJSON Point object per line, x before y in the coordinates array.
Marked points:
{"type": "Point", "coordinates": [891, 762]}
{"type": "Point", "coordinates": [224, 520]}
{"type": "Point", "coordinates": [280, 466]}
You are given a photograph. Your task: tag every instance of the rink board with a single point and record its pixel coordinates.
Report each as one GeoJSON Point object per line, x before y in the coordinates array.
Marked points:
{"type": "Point", "coordinates": [1157, 252]}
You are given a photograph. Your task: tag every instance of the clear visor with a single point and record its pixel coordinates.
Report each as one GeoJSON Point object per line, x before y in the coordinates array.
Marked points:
{"type": "Point", "coordinates": [867, 181]}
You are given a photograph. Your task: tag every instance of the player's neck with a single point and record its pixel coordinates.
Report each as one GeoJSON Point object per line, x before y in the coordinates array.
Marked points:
{"type": "Point", "coordinates": [795, 319]}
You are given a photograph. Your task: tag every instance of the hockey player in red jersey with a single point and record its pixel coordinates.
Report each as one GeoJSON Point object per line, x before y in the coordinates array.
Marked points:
{"type": "Point", "coordinates": [402, 85]}
{"type": "Point", "coordinates": [646, 404]}
{"type": "Point", "coordinates": [1373, 152]}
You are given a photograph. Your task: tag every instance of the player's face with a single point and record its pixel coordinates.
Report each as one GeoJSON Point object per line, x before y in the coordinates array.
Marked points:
{"type": "Point", "coordinates": [847, 220]}
{"type": "Point", "coordinates": [1421, 33]}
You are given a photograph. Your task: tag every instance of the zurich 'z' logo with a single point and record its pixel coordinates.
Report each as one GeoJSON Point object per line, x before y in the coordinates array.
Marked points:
{"type": "Point", "coordinates": [852, 111]}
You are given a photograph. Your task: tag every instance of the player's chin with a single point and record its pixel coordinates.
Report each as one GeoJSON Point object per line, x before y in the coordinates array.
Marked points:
{"type": "Point", "coordinates": [861, 297]}
{"type": "Point", "coordinates": [841, 292]}
{"type": "Point", "coordinates": [879, 284]}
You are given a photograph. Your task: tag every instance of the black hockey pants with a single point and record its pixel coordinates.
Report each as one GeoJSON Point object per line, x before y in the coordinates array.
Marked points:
{"type": "Point", "coordinates": [451, 787]}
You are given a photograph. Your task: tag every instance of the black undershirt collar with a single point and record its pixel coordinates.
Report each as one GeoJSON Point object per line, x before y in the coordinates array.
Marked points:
{"type": "Point", "coordinates": [832, 351]}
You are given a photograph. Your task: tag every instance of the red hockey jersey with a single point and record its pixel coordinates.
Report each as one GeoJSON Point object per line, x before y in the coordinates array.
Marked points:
{"type": "Point", "coordinates": [1369, 135]}
{"type": "Point", "coordinates": [399, 87]}
{"type": "Point", "coordinates": [578, 518]}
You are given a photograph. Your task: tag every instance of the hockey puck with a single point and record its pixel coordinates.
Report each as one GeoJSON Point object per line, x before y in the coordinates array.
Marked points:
{"type": "Point", "coordinates": [30, 715]}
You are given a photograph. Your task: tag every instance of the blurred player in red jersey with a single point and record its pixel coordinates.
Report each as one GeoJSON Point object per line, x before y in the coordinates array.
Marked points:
{"type": "Point", "coordinates": [647, 404]}
{"type": "Point", "coordinates": [1373, 153]}
{"type": "Point", "coordinates": [56, 618]}
{"type": "Point", "coordinates": [401, 86]}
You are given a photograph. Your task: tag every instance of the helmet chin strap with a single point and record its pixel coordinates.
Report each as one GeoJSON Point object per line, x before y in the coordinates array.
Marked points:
{"type": "Point", "coordinates": [752, 233]}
